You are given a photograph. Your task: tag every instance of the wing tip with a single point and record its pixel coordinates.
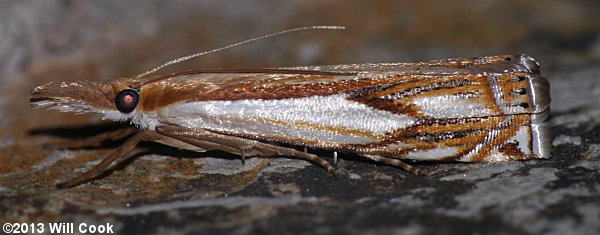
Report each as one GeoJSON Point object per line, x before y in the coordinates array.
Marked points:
{"type": "Point", "coordinates": [541, 136]}
{"type": "Point", "coordinates": [539, 89]}
{"type": "Point", "coordinates": [527, 63]}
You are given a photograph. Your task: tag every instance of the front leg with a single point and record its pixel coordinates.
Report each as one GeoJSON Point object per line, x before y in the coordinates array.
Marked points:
{"type": "Point", "coordinates": [93, 141]}
{"type": "Point", "coordinates": [122, 153]}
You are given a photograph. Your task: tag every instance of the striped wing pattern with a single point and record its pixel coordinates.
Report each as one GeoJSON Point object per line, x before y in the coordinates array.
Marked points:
{"type": "Point", "coordinates": [470, 109]}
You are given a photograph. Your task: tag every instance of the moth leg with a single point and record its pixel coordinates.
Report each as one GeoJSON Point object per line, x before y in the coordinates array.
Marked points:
{"type": "Point", "coordinates": [246, 151]}
{"type": "Point", "coordinates": [206, 144]}
{"type": "Point", "coordinates": [335, 158]}
{"type": "Point", "coordinates": [244, 147]}
{"type": "Point", "coordinates": [302, 155]}
{"type": "Point", "coordinates": [123, 152]}
{"type": "Point", "coordinates": [93, 141]}
{"type": "Point", "coordinates": [398, 163]}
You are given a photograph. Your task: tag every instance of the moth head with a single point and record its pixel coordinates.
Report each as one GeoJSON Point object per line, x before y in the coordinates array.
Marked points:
{"type": "Point", "coordinates": [117, 100]}
{"type": "Point", "coordinates": [87, 96]}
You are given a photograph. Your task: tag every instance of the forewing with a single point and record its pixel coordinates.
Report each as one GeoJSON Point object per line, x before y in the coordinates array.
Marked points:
{"type": "Point", "coordinates": [473, 65]}
{"type": "Point", "coordinates": [473, 109]}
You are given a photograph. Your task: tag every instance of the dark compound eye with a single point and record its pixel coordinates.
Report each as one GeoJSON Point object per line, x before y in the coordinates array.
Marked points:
{"type": "Point", "coordinates": [126, 100]}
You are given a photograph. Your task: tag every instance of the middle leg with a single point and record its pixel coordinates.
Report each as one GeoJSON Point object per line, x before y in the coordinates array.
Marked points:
{"type": "Point", "coordinates": [242, 146]}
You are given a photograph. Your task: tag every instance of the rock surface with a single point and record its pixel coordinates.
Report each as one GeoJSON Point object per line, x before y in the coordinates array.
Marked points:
{"type": "Point", "coordinates": [165, 190]}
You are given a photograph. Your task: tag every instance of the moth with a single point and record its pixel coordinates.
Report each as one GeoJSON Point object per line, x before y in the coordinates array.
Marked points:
{"type": "Point", "coordinates": [482, 109]}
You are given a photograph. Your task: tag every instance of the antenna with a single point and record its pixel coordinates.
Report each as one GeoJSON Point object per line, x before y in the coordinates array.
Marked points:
{"type": "Point", "coordinates": [181, 59]}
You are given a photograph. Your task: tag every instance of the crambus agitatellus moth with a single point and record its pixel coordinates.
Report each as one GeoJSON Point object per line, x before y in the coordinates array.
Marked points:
{"type": "Point", "coordinates": [465, 109]}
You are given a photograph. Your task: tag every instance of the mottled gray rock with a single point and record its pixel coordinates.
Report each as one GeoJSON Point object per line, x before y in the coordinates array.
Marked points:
{"type": "Point", "coordinates": [168, 191]}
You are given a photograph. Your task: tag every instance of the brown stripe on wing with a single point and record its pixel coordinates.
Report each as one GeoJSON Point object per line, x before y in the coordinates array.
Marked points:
{"type": "Point", "coordinates": [501, 141]}
{"type": "Point", "coordinates": [201, 87]}
{"type": "Point", "coordinates": [308, 125]}
{"type": "Point", "coordinates": [463, 133]}
{"type": "Point", "coordinates": [304, 141]}
{"type": "Point", "coordinates": [297, 86]}
{"type": "Point", "coordinates": [514, 91]}
{"type": "Point", "coordinates": [399, 98]}
{"type": "Point", "coordinates": [366, 88]}
{"type": "Point", "coordinates": [157, 95]}
{"type": "Point", "coordinates": [477, 140]}
{"type": "Point", "coordinates": [221, 84]}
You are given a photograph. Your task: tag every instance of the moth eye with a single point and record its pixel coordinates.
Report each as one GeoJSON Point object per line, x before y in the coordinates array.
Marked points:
{"type": "Point", "coordinates": [126, 100]}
